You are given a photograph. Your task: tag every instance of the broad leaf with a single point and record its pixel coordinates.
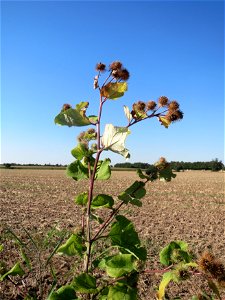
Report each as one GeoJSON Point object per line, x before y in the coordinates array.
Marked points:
{"type": "Point", "coordinates": [15, 270]}
{"type": "Point", "coordinates": [114, 139]}
{"type": "Point", "coordinates": [72, 246]}
{"type": "Point", "coordinates": [73, 117]}
{"type": "Point", "coordinates": [124, 292]}
{"type": "Point", "coordinates": [66, 292]}
{"type": "Point", "coordinates": [174, 252]}
{"type": "Point", "coordinates": [123, 235]}
{"type": "Point", "coordinates": [136, 190]}
{"type": "Point", "coordinates": [80, 151]}
{"type": "Point", "coordinates": [103, 170]}
{"type": "Point", "coordinates": [81, 199]}
{"type": "Point", "coordinates": [77, 170]}
{"type": "Point", "coordinates": [167, 277]}
{"type": "Point", "coordinates": [85, 283]}
{"type": "Point", "coordinates": [120, 265]}
{"type": "Point", "coordinates": [114, 90]}
{"type": "Point", "coordinates": [127, 113]}
{"type": "Point", "coordinates": [102, 200]}
{"type": "Point", "coordinates": [126, 198]}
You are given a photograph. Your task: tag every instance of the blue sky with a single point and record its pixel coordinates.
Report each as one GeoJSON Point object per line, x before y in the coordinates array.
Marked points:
{"type": "Point", "coordinates": [49, 50]}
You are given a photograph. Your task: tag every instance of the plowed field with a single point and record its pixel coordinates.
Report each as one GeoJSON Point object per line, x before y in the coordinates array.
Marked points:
{"type": "Point", "coordinates": [190, 208]}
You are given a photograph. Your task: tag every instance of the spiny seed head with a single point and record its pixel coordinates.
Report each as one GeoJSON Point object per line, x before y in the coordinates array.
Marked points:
{"type": "Point", "coordinates": [116, 65]}
{"type": "Point", "coordinates": [66, 106]}
{"type": "Point", "coordinates": [140, 105]}
{"type": "Point", "coordinates": [116, 74]}
{"type": "Point", "coordinates": [91, 131]}
{"type": "Point", "coordinates": [124, 74]}
{"type": "Point", "coordinates": [100, 67]}
{"type": "Point", "coordinates": [173, 105]}
{"type": "Point", "coordinates": [80, 137]}
{"type": "Point", "coordinates": [175, 115]}
{"type": "Point", "coordinates": [163, 101]}
{"type": "Point", "coordinates": [151, 105]}
{"type": "Point", "coordinates": [209, 264]}
{"type": "Point", "coordinates": [161, 164]}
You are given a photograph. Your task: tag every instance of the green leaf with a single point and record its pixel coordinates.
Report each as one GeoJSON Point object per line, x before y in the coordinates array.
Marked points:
{"type": "Point", "coordinates": [102, 200]}
{"type": "Point", "coordinates": [120, 265]}
{"type": "Point", "coordinates": [141, 175]}
{"type": "Point", "coordinates": [174, 252]}
{"type": "Point", "coordinates": [137, 185]}
{"type": "Point", "coordinates": [1, 248]}
{"type": "Point", "coordinates": [114, 90]}
{"type": "Point", "coordinates": [122, 292]}
{"type": "Point", "coordinates": [85, 283]}
{"type": "Point", "coordinates": [15, 270]}
{"type": "Point", "coordinates": [114, 139]}
{"type": "Point", "coordinates": [72, 246]}
{"type": "Point", "coordinates": [77, 170]}
{"type": "Point", "coordinates": [126, 198]}
{"type": "Point", "coordinates": [81, 199]}
{"type": "Point", "coordinates": [167, 277]}
{"type": "Point", "coordinates": [123, 235]}
{"type": "Point", "coordinates": [166, 174]}
{"type": "Point", "coordinates": [127, 113]}
{"type": "Point", "coordinates": [66, 292]}
{"type": "Point", "coordinates": [136, 202]}
{"type": "Point", "coordinates": [73, 117]}
{"type": "Point", "coordinates": [103, 170]}
{"type": "Point", "coordinates": [80, 151]}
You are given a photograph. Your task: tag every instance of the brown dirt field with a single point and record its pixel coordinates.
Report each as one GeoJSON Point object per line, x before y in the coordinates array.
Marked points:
{"type": "Point", "coordinates": [190, 208]}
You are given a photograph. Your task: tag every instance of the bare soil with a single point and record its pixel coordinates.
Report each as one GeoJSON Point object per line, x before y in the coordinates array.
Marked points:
{"type": "Point", "coordinates": [190, 208]}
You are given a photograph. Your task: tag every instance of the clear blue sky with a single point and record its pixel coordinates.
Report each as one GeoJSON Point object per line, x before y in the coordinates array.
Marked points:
{"type": "Point", "coordinates": [49, 51]}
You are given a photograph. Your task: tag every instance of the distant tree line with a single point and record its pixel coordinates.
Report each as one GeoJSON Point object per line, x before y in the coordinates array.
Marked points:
{"type": "Point", "coordinates": [213, 165]}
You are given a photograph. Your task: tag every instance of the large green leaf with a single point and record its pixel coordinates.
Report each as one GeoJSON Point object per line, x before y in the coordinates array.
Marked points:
{"type": "Point", "coordinates": [81, 199]}
{"type": "Point", "coordinates": [104, 170]}
{"type": "Point", "coordinates": [114, 90]}
{"type": "Point", "coordinates": [167, 277]}
{"type": "Point", "coordinates": [66, 292]}
{"type": "Point", "coordinates": [102, 200]}
{"type": "Point", "coordinates": [80, 151]}
{"type": "Point", "coordinates": [123, 235]}
{"type": "Point", "coordinates": [122, 292]}
{"type": "Point", "coordinates": [120, 265]}
{"type": "Point", "coordinates": [77, 170]}
{"type": "Point", "coordinates": [15, 270]}
{"type": "Point", "coordinates": [85, 283]}
{"type": "Point", "coordinates": [72, 117]}
{"type": "Point", "coordinates": [174, 252]}
{"type": "Point", "coordinates": [72, 246]}
{"type": "Point", "coordinates": [136, 189]}
{"type": "Point", "coordinates": [114, 139]}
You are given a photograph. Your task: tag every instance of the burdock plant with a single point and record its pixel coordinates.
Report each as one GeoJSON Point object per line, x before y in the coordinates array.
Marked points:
{"type": "Point", "coordinates": [123, 252]}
